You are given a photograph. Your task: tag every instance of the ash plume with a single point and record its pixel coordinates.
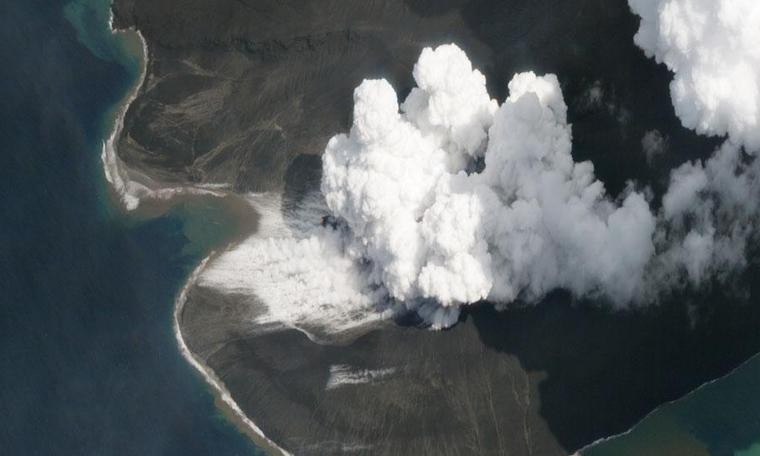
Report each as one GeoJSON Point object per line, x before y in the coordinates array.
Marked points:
{"type": "Point", "coordinates": [449, 197]}
{"type": "Point", "coordinates": [531, 221]}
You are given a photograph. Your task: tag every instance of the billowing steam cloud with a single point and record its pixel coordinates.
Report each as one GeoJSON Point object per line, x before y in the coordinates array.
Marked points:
{"type": "Point", "coordinates": [710, 210]}
{"type": "Point", "coordinates": [712, 48]}
{"type": "Point", "coordinates": [450, 198]}
{"type": "Point", "coordinates": [530, 221]}
{"type": "Point", "coordinates": [440, 225]}
{"type": "Point", "coordinates": [709, 214]}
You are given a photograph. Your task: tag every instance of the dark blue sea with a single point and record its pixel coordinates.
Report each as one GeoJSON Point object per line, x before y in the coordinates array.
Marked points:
{"type": "Point", "coordinates": [89, 364]}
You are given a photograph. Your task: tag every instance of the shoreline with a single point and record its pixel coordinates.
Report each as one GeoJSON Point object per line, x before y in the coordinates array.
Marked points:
{"type": "Point", "coordinates": [129, 193]}
{"type": "Point", "coordinates": [223, 396]}
{"type": "Point", "coordinates": [112, 168]}
{"type": "Point", "coordinates": [580, 451]}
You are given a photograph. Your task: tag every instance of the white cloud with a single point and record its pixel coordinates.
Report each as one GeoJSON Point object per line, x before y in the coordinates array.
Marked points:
{"type": "Point", "coordinates": [418, 228]}
{"type": "Point", "coordinates": [711, 46]}
{"type": "Point", "coordinates": [709, 215]}
{"type": "Point", "coordinates": [710, 210]}
{"type": "Point", "coordinates": [531, 221]}
{"type": "Point", "coordinates": [654, 145]}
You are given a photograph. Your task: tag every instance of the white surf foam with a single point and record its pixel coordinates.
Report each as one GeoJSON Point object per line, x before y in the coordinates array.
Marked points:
{"type": "Point", "coordinates": [130, 191]}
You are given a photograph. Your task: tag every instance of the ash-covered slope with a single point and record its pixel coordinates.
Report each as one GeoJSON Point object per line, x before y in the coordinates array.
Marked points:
{"type": "Point", "coordinates": [236, 89]}
{"type": "Point", "coordinates": [543, 380]}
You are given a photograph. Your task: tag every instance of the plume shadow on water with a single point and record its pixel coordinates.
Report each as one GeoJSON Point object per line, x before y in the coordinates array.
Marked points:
{"type": "Point", "coordinates": [720, 418]}
{"type": "Point", "coordinates": [606, 369]}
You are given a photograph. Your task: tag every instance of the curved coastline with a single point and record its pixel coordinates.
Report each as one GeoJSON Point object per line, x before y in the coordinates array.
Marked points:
{"type": "Point", "coordinates": [112, 166]}
{"type": "Point", "coordinates": [223, 394]}
{"type": "Point", "coordinates": [660, 407]}
{"type": "Point", "coordinates": [129, 190]}
{"type": "Point", "coordinates": [129, 194]}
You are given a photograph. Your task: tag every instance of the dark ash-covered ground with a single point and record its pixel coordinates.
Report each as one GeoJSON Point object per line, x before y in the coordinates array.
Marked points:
{"type": "Point", "coordinates": [236, 89]}
{"type": "Point", "coordinates": [544, 380]}
{"type": "Point", "coordinates": [248, 93]}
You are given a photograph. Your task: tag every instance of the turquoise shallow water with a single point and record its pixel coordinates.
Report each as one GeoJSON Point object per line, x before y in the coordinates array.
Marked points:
{"type": "Point", "coordinates": [89, 361]}
{"type": "Point", "coordinates": [721, 418]}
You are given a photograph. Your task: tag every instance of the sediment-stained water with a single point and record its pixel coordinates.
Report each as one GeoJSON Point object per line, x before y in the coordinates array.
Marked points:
{"type": "Point", "coordinates": [720, 418]}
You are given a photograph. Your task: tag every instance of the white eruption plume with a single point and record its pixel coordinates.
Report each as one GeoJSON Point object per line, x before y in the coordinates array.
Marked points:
{"type": "Point", "coordinates": [710, 210]}
{"type": "Point", "coordinates": [711, 46]}
{"type": "Point", "coordinates": [532, 220]}
{"type": "Point", "coordinates": [450, 198]}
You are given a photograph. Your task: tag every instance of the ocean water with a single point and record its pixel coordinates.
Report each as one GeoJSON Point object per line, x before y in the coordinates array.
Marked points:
{"type": "Point", "coordinates": [89, 364]}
